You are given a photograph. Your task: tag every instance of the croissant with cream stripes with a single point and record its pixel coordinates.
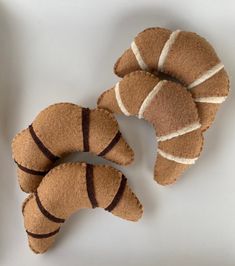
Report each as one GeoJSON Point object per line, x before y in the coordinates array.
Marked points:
{"type": "Point", "coordinates": [185, 56]}
{"type": "Point", "coordinates": [173, 113]}
{"type": "Point", "coordinates": [70, 187]}
{"type": "Point", "coordinates": [61, 129]}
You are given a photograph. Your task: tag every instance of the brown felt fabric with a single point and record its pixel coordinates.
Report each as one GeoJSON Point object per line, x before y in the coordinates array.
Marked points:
{"type": "Point", "coordinates": [167, 172]}
{"type": "Point", "coordinates": [101, 122]}
{"type": "Point", "coordinates": [41, 246]}
{"type": "Point", "coordinates": [111, 144]}
{"type": "Point", "coordinates": [110, 101]}
{"type": "Point", "coordinates": [118, 195]}
{"type": "Point", "coordinates": [187, 146]}
{"type": "Point", "coordinates": [146, 42]}
{"type": "Point", "coordinates": [122, 210]}
{"type": "Point", "coordinates": [63, 191]}
{"type": "Point", "coordinates": [214, 86]}
{"type": "Point", "coordinates": [53, 158]}
{"type": "Point", "coordinates": [170, 110]}
{"type": "Point", "coordinates": [134, 88]}
{"type": "Point", "coordinates": [22, 146]}
{"type": "Point", "coordinates": [207, 113]}
{"type": "Point", "coordinates": [59, 128]}
{"type": "Point", "coordinates": [108, 187]}
{"type": "Point", "coordinates": [45, 212]}
{"type": "Point", "coordinates": [27, 181]}
{"type": "Point", "coordinates": [57, 122]}
{"type": "Point", "coordinates": [33, 218]}
{"type": "Point", "coordinates": [120, 148]}
{"type": "Point", "coordinates": [189, 57]}
{"type": "Point", "coordinates": [126, 64]}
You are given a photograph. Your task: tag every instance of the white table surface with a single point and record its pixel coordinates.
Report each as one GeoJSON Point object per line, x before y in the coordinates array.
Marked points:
{"type": "Point", "coordinates": [57, 50]}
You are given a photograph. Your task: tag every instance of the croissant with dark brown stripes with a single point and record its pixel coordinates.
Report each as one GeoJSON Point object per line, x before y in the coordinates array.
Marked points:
{"type": "Point", "coordinates": [70, 187]}
{"type": "Point", "coordinates": [61, 129]}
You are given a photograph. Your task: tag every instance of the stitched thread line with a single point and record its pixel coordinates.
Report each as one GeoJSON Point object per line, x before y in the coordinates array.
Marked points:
{"type": "Point", "coordinates": [118, 195]}
{"type": "Point", "coordinates": [180, 132]}
{"type": "Point", "coordinates": [150, 97]}
{"type": "Point", "coordinates": [138, 56]}
{"type": "Point", "coordinates": [85, 128]}
{"type": "Point", "coordinates": [41, 236]}
{"type": "Point", "coordinates": [45, 212]}
{"type": "Point", "coordinates": [90, 186]}
{"type": "Point", "coordinates": [113, 142]}
{"type": "Point", "coordinates": [31, 171]}
{"type": "Point", "coordinates": [176, 159]}
{"type": "Point", "coordinates": [53, 158]}
{"type": "Point", "coordinates": [119, 100]}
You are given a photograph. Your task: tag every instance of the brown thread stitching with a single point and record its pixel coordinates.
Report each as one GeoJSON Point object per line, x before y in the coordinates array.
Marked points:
{"type": "Point", "coordinates": [90, 185]}
{"type": "Point", "coordinates": [45, 212]}
{"type": "Point", "coordinates": [113, 142]}
{"type": "Point", "coordinates": [85, 128]}
{"type": "Point", "coordinates": [118, 195]}
{"type": "Point", "coordinates": [40, 236]}
{"type": "Point", "coordinates": [31, 171]}
{"type": "Point", "coordinates": [42, 147]}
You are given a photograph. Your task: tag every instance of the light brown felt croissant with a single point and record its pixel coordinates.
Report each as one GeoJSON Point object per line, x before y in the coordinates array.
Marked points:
{"type": "Point", "coordinates": [171, 110]}
{"type": "Point", "coordinates": [61, 129]}
{"type": "Point", "coordinates": [185, 56]}
{"type": "Point", "coordinates": [70, 187]}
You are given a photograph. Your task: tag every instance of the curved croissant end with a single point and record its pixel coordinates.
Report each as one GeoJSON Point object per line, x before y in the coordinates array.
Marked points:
{"type": "Point", "coordinates": [182, 55]}
{"type": "Point", "coordinates": [70, 187]}
{"type": "Point", "coordinates": [171, 110]}
{"type": "Point", "coordinates": [61, 129]}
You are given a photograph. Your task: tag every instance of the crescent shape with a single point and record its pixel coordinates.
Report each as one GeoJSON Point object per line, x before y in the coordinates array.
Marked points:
{"type": "Point", "coordinates": [61, 129]}
{"type": "Point", "coordinates": [70, 187]}
{"type": "Point", "coordinates": [171, 110]}
{"type": "Point", "coordinates": [185, 56]}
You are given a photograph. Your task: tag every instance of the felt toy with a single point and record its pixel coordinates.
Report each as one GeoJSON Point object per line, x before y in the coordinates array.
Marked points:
{"type": "Point", "coordinates": [61, 129]}
{"type": "Point", "coordinates": [171, 110]}
{"type": "Point", "coordinates": [70, 187]}
{"type": "Point", "coordinates": [185, 56]}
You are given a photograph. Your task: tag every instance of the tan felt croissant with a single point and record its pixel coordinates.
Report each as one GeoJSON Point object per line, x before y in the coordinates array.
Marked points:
{"type": "Point", "coordinates": [61, 129]}
{"type": "Point", "coordinates": [70, 187]}
{"type": "Point", "coordinates": [185, 56]}
{"type": "Point", "coordinates": [171, 110]}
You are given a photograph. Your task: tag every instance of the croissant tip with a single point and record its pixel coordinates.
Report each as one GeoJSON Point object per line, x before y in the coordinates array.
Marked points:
{"type": "Point", "coordinates": [116, 68]}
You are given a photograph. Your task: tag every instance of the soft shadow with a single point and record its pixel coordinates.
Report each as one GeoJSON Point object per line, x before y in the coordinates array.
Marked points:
{"type": "Point", "coordinates": [168, 260]}
{"type": "Point", "coordinates": [10, 93]}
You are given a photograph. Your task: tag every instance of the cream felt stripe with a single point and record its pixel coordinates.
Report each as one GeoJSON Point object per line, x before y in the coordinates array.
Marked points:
{"type": "Point", "coordinates": [210, 99]}
{"type": "Point", "coordinates": [177, 159]}
{"type": "Point", "coordinates": [138, 56]}
{"type": "Point", "coordinates": [166, 49]}
{"type": "Point", "coordinates": [208, 74]}
{"type": "Point", "coordinates": [119, 100]}
{"type": "Point", "coordinates": [149, 97]}
{"type": "Point", "coordinates": [180, 132]}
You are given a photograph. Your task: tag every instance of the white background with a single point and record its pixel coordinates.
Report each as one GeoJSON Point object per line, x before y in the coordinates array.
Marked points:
{"type": "Point", "coordinates": [57, 50]}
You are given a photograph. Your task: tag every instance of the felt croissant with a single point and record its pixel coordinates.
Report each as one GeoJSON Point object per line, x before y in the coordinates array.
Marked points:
{"type": "Point", "coordinates": [70, 187]}
{"type": "Point", "coordinates": [61, 129]}
{"type": "Point", "coordinates": [171, 110]}
{"type": "Point", "coordinates": [185, 56]}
